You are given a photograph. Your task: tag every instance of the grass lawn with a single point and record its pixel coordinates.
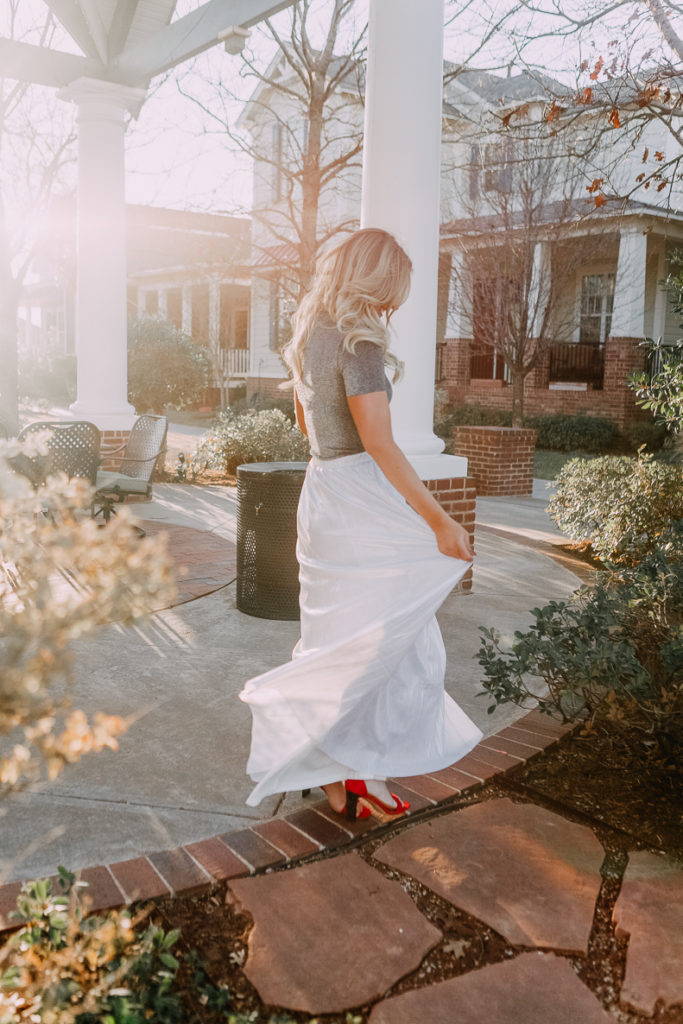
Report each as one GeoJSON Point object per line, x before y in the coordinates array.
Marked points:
{"type": "Point", "coordinates": [548, 464]}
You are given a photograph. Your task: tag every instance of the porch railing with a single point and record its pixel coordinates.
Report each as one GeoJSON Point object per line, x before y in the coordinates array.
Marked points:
{"type": "Point", "coordinates": [234, 362]}
{"type": "Point", "coordinates": [577, 363]}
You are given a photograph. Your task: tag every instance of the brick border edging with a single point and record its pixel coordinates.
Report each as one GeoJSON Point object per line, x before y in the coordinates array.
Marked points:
{"type": "Point", "coordinates": [199, 866]}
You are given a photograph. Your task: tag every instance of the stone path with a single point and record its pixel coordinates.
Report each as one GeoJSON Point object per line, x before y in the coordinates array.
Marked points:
{"type": "Point", "coordinates": [650, 911]}
{"type": "Point", "coordinates": [485, 914]}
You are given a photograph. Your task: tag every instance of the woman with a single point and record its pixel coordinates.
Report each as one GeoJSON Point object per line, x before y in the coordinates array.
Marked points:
{"type": "Point", "coordinates": [362, 698]}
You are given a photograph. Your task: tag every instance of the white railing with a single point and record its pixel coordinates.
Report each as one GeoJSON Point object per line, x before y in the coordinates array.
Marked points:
{"type": "Point", "coordinates": [233, 362]}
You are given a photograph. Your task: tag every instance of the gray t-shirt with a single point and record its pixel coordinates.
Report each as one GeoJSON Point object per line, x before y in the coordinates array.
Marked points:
{"type": "Point", "coordinates": [329, 375]}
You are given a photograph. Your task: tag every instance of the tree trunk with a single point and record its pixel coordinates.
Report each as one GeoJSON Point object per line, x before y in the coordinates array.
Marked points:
{"type": "Point", "coordinates": [9, 379]}
{"type": "Point", "coordinates": [310, 192]}
{"type": "Point", "coordinates": [517, 397]}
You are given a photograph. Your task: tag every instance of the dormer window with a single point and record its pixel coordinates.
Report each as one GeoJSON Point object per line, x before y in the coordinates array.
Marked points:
{"type": "Point", "coordinates": [490, 168]}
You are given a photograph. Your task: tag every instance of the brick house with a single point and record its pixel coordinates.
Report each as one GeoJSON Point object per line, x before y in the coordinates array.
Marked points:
{"type": "Point", "coordinates": [610, 301]}
{"type": "Point", "coordinates": [190, 268]}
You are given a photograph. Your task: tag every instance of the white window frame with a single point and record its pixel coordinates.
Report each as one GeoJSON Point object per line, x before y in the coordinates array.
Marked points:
{"type": "Point", "coordinates": [590, 270]}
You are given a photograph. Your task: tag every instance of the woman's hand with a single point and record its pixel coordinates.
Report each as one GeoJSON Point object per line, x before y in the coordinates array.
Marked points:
{"type": "Point", "coordinates": [453, 540]}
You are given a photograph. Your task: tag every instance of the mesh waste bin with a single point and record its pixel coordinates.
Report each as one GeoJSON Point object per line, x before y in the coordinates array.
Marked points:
{"type": "Point", "coordinates": [267, 569]}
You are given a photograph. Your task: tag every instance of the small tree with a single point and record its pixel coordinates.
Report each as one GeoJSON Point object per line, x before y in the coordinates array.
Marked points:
{"type": "Point", "coordinates": [518, 251]}
{"type": "Point", "coordinates": [165, 367]}
{"type": "Point", "coordinates": [661, 389]}
{"type": "Point", "coordinates": [46, 535]}
{"type": "Point", "coordinates": [626, 82]}
{"type": "Point", "coordinates": [304, 134]}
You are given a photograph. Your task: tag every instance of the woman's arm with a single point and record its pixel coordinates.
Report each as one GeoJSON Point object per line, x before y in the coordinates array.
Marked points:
{"type": "Point", "coordinates": [300, 421]}
{"type": "Point", "coordinates": [373, 421]}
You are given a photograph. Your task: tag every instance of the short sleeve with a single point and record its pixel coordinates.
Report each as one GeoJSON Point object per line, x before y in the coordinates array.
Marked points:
{"type": "Point", "coordinates": [363, 370]}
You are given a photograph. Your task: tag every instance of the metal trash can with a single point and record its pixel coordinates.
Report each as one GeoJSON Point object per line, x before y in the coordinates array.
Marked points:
{"type": "Point", "coordinates": [267, 569]}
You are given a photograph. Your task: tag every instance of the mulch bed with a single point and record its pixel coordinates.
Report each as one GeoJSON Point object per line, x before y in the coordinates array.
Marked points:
{"type": "Point", "coordinates": [594, 779]}
{"type": "Point", "coordinates": [603, 776]}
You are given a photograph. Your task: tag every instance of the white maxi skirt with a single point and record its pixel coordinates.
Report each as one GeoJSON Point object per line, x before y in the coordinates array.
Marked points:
{"type": "Point", "coordinates": [363, 696]}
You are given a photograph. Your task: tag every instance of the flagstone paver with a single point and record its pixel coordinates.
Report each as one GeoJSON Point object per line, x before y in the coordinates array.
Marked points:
{"type": "Point", "coordinates": [650, 909]}
{"type": "Point", "coordinates": [330, 935]}
{"type": "Point", "coordinates": [534, 988]}
{"type": "Point", "coordinates": [528, 873]}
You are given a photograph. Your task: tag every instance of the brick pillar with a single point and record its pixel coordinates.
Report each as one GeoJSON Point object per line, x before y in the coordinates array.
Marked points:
{"type": "Point", "coordinates": [111, 439]}
{"type": "Point", "coordinates": [622, 357]}
{"type": "Point", "coordinates": [539, 378]}
{"type": "Point", "coordinates": [500, 459]}
{"type": "Point", "coordinates": [457, 496]}
{"type": "Point", "coordinates": [456, 363]}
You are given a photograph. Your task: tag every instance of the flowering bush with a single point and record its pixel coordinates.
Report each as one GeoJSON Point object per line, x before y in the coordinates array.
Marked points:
{"type": "Point", "coordinates": [47, 538]}
{"type": "Point", "coordinates": [621, 504]}
{"type": "Point", "coordinates": [63, 967]}
{"type": "Point", "coordinates": [265, 436]}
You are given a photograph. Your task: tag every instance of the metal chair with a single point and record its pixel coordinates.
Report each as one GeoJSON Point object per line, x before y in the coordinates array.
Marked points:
{"type": "Point", "coordinates": [73, 448]}
{"type": "Point", "coordinates": [145, 446]}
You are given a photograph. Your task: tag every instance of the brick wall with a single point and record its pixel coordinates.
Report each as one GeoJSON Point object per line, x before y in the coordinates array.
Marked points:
{"type": "Point", "coordinates": [614, 402]}
{"type": "Point", "coordinates": [500, 459]}
{"type": "Point", "coordinates": [111, 439]}
{"type": "Point", "coordinates": [457, 496]}
{"type": "Point", "coordinates": [456, 362]}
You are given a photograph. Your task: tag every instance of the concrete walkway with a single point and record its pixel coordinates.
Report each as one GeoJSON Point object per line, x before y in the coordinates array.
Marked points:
{"type": "Point", "coordinates": [500, 907]}
{"type": "Point", "coordinates": [179, 776]}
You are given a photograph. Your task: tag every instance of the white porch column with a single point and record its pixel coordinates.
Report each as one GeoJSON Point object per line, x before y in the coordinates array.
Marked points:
{"type": "Point", "coordinates": [401, 177]}
{"type": "Point", "coordinates": [628, 318]}
{"type": "Point", "coordinates": [459, 317]}
{"type": "Point", "coordinates": [661, 296]}
{"type": "Point", "coordinates": [101, 256]}
{"type": "Point", "coordinates": [540, 288]}
{"type": "Point", "coordinates": [187, 309]}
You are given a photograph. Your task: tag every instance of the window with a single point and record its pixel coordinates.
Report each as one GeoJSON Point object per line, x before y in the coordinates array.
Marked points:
{"type": "Point", "coordinates": [597, 301]}
{"type": "Point", "coordinates": [490, 168]}
{"type": "Point", "coordinates": [282, 307]}
{"type": "Point", "coordinates": [152, 302]}
{"type": "Point", "coordinates": [233, 328]}
{"type": "Point", "coordinates": [55, 329]}
{"type": "Point", "coordinates": [497, 168]}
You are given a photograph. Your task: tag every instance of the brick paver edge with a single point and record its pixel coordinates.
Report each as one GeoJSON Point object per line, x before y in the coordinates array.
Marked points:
{"type": "Point", "coordinates": [202, 865]}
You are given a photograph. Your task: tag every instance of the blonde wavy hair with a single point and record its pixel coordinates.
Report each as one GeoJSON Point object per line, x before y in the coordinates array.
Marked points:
{"type": "Point", "coordinates": [357, 283]}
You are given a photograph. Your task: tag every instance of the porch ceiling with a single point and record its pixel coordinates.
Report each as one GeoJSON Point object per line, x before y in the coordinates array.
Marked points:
{"type": "Point", "coordinates": [128, 41]}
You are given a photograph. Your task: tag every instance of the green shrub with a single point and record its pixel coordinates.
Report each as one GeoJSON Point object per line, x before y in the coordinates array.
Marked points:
{"type": "Point", "coordinates": [613, 651]}
{"type": "Point", "coordinates": [468, 415]}
{"type": "Point", "coordinates": [49, 377]}
{"type": "Point", "coordinates": [265, 436]}
{"type": "Point", "coordinates": [558, 432]}
{"type": "Point", "coordinates": [562, 433]}
{"type": "Point", "coordinates": [259, 401]}
{"type": "Point", "coordinates": [621, 504]}
{"type": "Point", "coordinates": [63, 967]}
{"type": "Point", "coordinates": [644, 433]}
{"type": "Point", "coordinates": [165, 367]}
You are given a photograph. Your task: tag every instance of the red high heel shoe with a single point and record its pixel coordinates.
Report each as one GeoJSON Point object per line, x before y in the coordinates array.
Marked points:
{"type": "Point", "coordinates": [350, 810]}
{"type": "Point", "coordinates": [358, 788]}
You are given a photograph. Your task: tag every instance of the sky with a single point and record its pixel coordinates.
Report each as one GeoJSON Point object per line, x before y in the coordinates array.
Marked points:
{"type": "Point", "coordinates": [177, 154]}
